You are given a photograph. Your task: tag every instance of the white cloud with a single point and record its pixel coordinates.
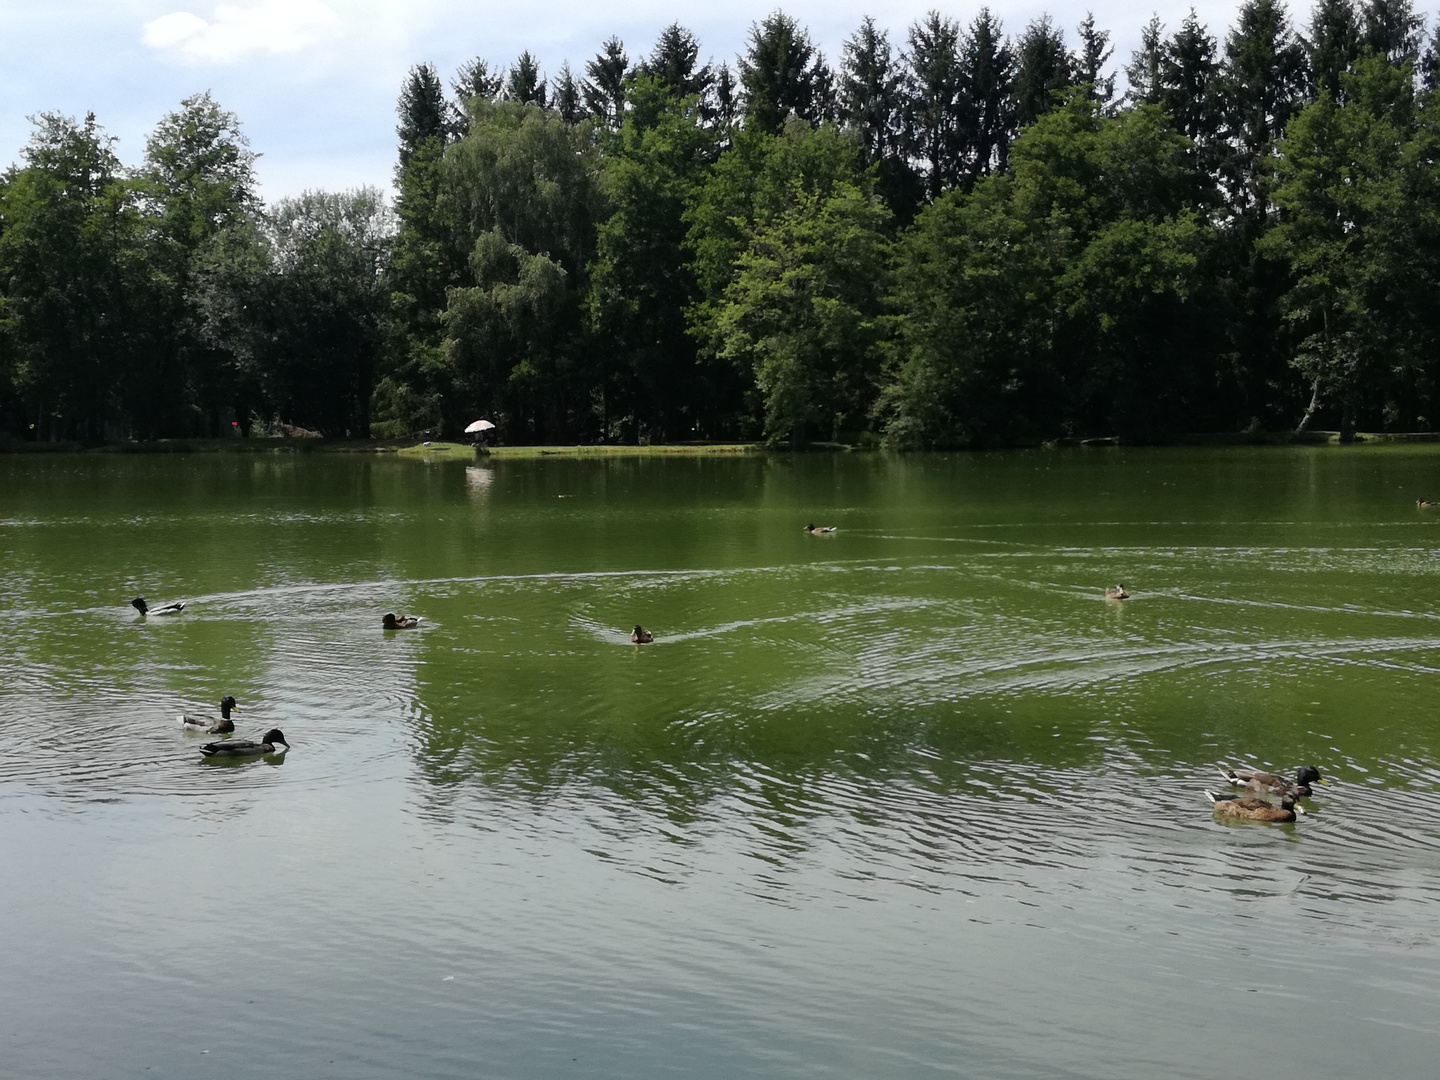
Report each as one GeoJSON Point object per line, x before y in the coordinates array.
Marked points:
{"type": "Point", "coordinates": [234, 32]}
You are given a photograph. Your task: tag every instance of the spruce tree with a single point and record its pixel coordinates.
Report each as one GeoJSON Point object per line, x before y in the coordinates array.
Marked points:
{"type": "Point", "coordinates": [1042, 67]}
{"type": "Point", "coordinates": [1332, 46]}
{"type": "Point", "coordinates": [1392, 30]}
{"type": "Point", "coordinates": [423, 113]}
{"type": "Point", "coordinates": [1264, 83]}
{"type": "Point", "coordinates": [988, 72]}
{"type": "Point", "coordinates": [672, 62]}
{"type": "Point", "coordinates": [778, 73]}
{"type": "Point", "coordinates": [1190, 92]}
{"type": "Point", "coordinates": [870, 91]}
{"type": "Point", "coordinates": [1090, 60]}
{"type": "Point", "coordinates": [604, 89]}
{"type": "Point", "coordinates": [524, 83]}
{"type": "Point", "coordinates": [938, 118]}
{"type": "Point", "coordinates": [1143, 72]}
{"type": "Point", "coordinates": [566, 97]}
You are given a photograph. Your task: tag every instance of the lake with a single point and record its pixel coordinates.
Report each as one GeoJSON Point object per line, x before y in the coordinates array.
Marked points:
{"type": "Point", "coordinates": [910, 799]}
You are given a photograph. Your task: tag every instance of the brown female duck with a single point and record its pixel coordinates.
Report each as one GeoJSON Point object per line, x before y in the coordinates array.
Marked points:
{"type": "Point", "coordinates": [1250, 808]}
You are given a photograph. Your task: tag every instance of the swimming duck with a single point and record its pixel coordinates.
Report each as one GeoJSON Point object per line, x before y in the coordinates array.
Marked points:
{"type": "Point", "coordinates": [1305, 775]}
{"type": "Point", "coordinates": [641, 636]}
{"type": "Point", "coordinates": [819, 530]}
{"type": "Point", "coordinates": [223, 726]}
{"type": "Point", "coordinates": [247, 747]}
{"type": "Point", "coordinates": [1427, 504]}
{"type": "Point", "coordinates": [169, 609]}
{"type": "Point", "coordinates": [1252, 809]}
{"type": "Point", "coordinates": [402, 622]}
{"type": "Point", "coordinates": [1117, 593]}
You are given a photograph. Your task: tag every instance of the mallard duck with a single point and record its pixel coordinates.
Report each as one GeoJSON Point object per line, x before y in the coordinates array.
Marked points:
{"type": "Point", "coordinates": [169, 609]}
{"type": "Point", "coordinates": [223, 726]}
{"type": "Point", "coordinates": [1252, 809]}
{"type": "Point", "coordinates": [1427, 504]}
{"type": "Point", "coordinates": [1117, 593]}
{"type": "Point", "coordinates": [1305, 775]}
{"type": "Point", "coordinates": [391, 621]}
{"type": "Point", "coordinates": [819, 530]}
{"type": "Point", "coordinates": [247, 747]}
{"type": "Point", "coordinates": [641, 636]}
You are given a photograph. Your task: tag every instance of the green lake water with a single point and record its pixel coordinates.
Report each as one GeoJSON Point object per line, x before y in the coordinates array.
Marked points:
{"type": "Point", "coordinates": [912, 799]}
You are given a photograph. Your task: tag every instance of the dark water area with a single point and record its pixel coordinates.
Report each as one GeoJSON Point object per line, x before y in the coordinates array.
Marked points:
{"type": "Point", "coordinates": [909, 799]}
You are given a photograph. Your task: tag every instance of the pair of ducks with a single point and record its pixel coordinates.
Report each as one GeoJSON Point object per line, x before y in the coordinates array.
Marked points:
{"type": "Point", "coordinates": [233, 748]}
{"type": "Point", "coordinates": [1251, 808]}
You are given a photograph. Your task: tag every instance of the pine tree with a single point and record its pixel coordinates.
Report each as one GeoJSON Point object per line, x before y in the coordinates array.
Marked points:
{"type": "Point", "coordinates": [1392, 29]}
{"type": "Point", "coordinates": [672, 63]}
{"type": "Point", "coordinates": [1143, 72]}
{"type": "Point", "coordinates": [1332, 46]}
{"type": "Point", "coordinates": [604, 89]}
{"type": "Point", "coordinates": [870, 91]}
{"type": "Point", "coordinates": [988, 72]}
{"type": "Point", "coordinates": [778, 73]}
{"type": "Point", "coordinates": [566, 96]}
{"type": "Point", "coordinates": [474, 79]}
{"type": "Point", "coordinates": [1264, 83]}
{"type": "Point", "coordinates": [1190, 92]}
{"type": "Point", "coordinates": [1042, 67]}
{"type": "Point", "coordinates": [422, 109]}
{"type": "Point", "coordinates": [938, 117]}
{"type": "Point", "coordinates": [1090, 60]}
{"type": "Point", "coordinates": [524, 83]}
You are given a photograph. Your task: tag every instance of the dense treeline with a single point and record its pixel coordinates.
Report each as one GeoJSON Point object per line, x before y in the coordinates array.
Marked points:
{"type": "Point", "coordinates": [956, 237]}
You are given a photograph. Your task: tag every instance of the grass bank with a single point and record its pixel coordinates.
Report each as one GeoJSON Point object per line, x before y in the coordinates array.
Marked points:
{"type": "Point", "coordinates": [456, 451]}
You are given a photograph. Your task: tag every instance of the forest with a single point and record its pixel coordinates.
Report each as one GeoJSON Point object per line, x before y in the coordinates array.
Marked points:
{"type": "Point", "coordinates": [950, 236]}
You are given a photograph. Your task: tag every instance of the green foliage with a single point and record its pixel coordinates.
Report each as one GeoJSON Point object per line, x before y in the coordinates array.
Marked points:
{"type": "Point", "coordinates": [1040, 302]}
{"type": "Point", "coordinates": [504, 336]}
{"type": "Point", "coordinates": [781, 73]}
{"type": "Point", "coordinates": [1356, 186]}
{"type": "Point", "coordinates": [665, 252]}
{"type": "Point", "coordinates": [72, 265]}
{"type": "Point", "coordinates": [525, 185]}
{"type": "Point", "coordinates": [804, 311]}
{"type": "Point", "coordinates": [640, 282]}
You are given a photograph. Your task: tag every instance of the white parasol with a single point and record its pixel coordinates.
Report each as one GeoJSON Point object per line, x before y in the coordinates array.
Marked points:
{"type": "Point", "coordinates": [478, 426]}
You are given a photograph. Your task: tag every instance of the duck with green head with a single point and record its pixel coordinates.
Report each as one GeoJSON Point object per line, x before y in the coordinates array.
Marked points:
{"type": "Point", "coordinates": [1305, 775]}
{"type": "Point", "coordinates": [243, 748]}
{"type": "Point", "coordinates": [210, 726]}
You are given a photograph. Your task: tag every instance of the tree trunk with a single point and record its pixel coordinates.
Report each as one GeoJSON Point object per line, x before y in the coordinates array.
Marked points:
{"type": "Point", "coordinates": [1311, 410]}
{"type": "Point", "coordinates": [1347, 425]}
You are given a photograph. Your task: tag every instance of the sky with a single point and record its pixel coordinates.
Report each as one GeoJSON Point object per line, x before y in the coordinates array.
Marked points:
{"type": "Point", "coordinates": [314, 82]}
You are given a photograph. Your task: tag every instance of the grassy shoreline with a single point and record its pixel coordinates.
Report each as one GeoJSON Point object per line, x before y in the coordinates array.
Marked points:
{"type": "Point", "coordinates": [441, 450]}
